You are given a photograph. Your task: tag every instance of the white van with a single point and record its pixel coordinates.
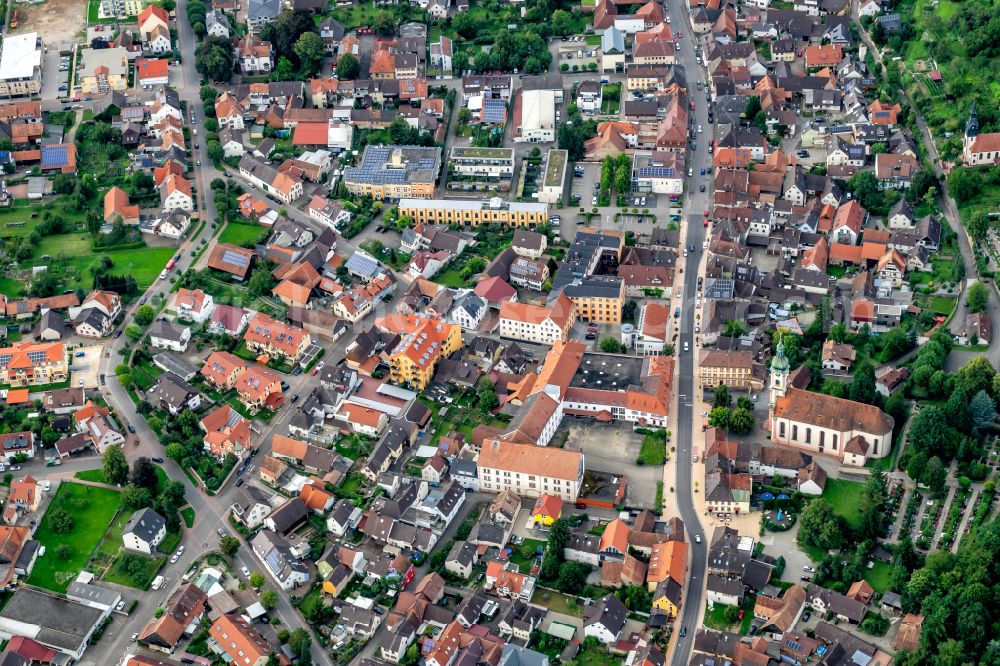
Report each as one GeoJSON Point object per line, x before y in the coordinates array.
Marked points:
{"type": "Point", "coordinates": [158, 582]}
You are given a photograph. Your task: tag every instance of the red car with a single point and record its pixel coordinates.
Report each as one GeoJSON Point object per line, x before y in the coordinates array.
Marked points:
{"type": "Point", "coordinates": [706, 214]}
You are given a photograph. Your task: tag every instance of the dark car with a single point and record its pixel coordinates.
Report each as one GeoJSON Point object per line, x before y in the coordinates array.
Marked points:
{"type": "Point", "coordinates": [703, 188]}
{"type": "Point", "coordinates": [131, 428]}
{"type": "Point", "coordinates": [684, 632]}
{"type": "Point", "coordinates": [157, 459]}
{"type": "Point", "coordinates": [118, 333]}
{"type": "Point", "coordinates": [806, 616]}
{"type": "Point", "coordinates": [295, 399]}
{"type": "Point", "coordinates": [239, 482]}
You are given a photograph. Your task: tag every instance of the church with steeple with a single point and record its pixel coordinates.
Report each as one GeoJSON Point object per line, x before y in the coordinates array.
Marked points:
{"type": "Point", "coordinates": [850, 431]}
{"type": "Point", "coordinates": [979, 149]}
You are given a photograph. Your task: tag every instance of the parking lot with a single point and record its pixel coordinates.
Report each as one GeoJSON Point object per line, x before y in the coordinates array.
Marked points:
{"type": "Point", "coordinates": [52, 78]}
{"type": "Point", "coordinates": [613, 449]}
{"type": "Point", "coordinates": [84, 368]}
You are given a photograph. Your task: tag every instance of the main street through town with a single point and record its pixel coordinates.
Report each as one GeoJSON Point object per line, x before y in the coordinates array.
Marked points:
{"type": "Point", "coordinates": [693, 235]}
{"type": "Point", "coordinates": [211, 512]}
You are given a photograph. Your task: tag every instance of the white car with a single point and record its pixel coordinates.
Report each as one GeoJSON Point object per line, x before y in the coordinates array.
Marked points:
{"type": "Point", "coordinates": [809, 569]}
{"type": "Point", "coordinates": [699, 129]}
{"type": "Point", "coordinates": [704, 413]}
{"type": "Point", "coordinates": [697, 538]}
{"type": "Point", "coordinates": [245, 572]}
{"type": "Point", "coordinates": [173, 560]}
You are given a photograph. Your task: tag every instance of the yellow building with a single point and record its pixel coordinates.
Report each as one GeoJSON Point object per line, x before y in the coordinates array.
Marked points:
{"type": "Point", "coordinates": [395, 172]}
{"type": "Point", "coordinates": [548, 509]}
{"type": "Point", "coordinates": [597, 301]}
{"type": "Point", "coordinates": [667, 597]}
{"type": "Point", "coordinates": [473, 213]}
{"type": "Point", "coordinates": [27, 364]}
{"type": "Point", "coordinates": [424, 342]}
{"type": "Point", "coordinates": [735, 369]}
{"type": "Point", "coordinates": [103, 70]}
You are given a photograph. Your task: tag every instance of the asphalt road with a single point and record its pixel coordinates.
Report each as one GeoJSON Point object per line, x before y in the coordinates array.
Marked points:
{"type": "Point", "coordinates": [695, 203]}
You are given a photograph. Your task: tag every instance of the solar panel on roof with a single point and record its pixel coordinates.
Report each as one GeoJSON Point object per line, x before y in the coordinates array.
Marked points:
{"type": "Point", "coordinates": [662, 172]}
{"type": "Point", "coordinates": [235, 258]}
{"type": "Point", "coordinates": [54, 155]}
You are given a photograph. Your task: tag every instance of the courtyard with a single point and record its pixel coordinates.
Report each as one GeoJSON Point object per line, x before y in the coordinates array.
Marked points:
{"type": "Point", "coordinates": [614, 448]}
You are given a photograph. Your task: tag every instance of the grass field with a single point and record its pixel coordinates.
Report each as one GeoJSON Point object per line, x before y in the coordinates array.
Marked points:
{"type": "Point", "coordinates": [557, 601]}
{"type": "Point", "coordinates": [92, 475]}
{"type": "Point", "coordinates": [237, 234]}
{"type": "Point", "coordinates": [11, 288]}
{"type": "Point", "coordinates": [843, 496]}
{"type": "Point", "coordinates": [188, 515]}
{"type": "Point", "coordinates": [715, 618]}
{"type": "Point", "coordinates": [879, 576]}
{"type": "Point", "coordinates": [93, 510]}
{"type": "Point", "coordinates": [653, 451]}
{"type": "Point", "coordinates": [943, 305]}
{"type": "Point", "coordinates": [70, 245]}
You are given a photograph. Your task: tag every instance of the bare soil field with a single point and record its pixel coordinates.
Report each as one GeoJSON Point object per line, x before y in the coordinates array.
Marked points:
{"type": "Point", "coordinates": [57, 21]}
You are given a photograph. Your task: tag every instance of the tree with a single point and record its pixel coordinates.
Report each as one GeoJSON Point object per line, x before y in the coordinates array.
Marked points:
{"type": "Point", "coordinates": [977, 297]}
{"type": "Point", "coordinates": [864, 186]}
{"type": "Point", "coordinates": [348, 66]}
{"type": "Point", "coordinates": [297, 639]}
{"type": "Point", "coordinates": [628, 310]}
{"type": "Point", "coordinates": [63, 552]}
{"type": "Point", "coordinates": [310, 49]}
{"type": "Point", "coordinates": [935, 475]}
{"type": "Point", "coordinates": [978, 225]}
{"type": "Point", "coordinates": [719, 418]}
{"type": "Point", "coordinates": [964, 184]}
{"type": "Point", "coordinates": [214, 58]}
{"type": "Point", "coordinates": [916, 465]}
{"type": "Point", "coordinates": [928, 430]}
{"type": "Point", "coordinates": [741, 421]}
{"type": "Point", "coordinates": [229, 545]}
{"type": "Point", "coordinates": [269, 599]}
{"type": "Point", "coordinates": [286, 30]}
{"type": "Point", "coordinates": [559, 534]}
{"type": "Point", "coordinates": [721, 396]}
{"type": "Point", "coordinates": [144, 473]}
{"type": "Point", "coordinates": [256, 580]}
{"type": "Point", "coordinates": [465, 25]}
{"type": "Point", "coordinates": [820, 527]}
{"type": "Point", "coordinates": [872, 504]}
{"type": "Point", "coordinates": [144, 315]}
{"type": "Point", "coordinates": [261, 281]}
{"type": "Point", "coordinates": [572, 577]}
{"type": "Point", "coordinates": [60, 521]}
{"type": "Point", "coordinates": [983, 411]}
{"type": "Point", "coordinates": [175, 451]}
{"type": "Point", "coordinates": [975, 376]}
{"type": "Point", "coordinates": [115, 466]}
{"type": "Point", "coordinates": [610, 345]}
{"type": "Point", "coordinates": [216, 152]}
{"type": "Point", "coordinates": [135, 497]}
{"type": "Point", "coordinates": [734, 329]}
{"type": "Point", "coordinates": [284, 70]}
{"type": "Point", "coordinates": [863, 385]}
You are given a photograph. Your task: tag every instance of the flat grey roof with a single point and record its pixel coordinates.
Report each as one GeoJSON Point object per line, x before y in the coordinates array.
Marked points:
{"type": "Point", "coordinates": [63, 624]}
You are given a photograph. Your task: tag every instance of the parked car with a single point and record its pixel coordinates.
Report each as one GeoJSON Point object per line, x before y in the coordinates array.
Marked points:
{"type": "Point", "coordinates": [157, 459]}
{"type": "Point", "coordinates": [245, 571]}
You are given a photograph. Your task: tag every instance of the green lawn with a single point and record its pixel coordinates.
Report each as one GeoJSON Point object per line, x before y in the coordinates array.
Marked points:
{"type": "Point", "coordinates": [92, 475]}
{"type": "Point", "coordinates": [145, 571]}
{"type": "Point", "coordinates": [70, 245]}
{"type": "Point", "coordinates": [451, 278]}
{"type": "Point", "coordinates": [188, 516]}
{"type": "Point", "coordinates": [879, 576]}
{"type": "Point", "coordinates": [93, 510]}
{"type": "Point", "coordinates": [11, 288]}
{"type": "Point", "coordinates": [715, 618]}
{"type": "Point", "coordinates": [143, 263]}
{"type": "Point", "coordinates": [653, 451]}
{"type": "Point", "coordinates": [843, 496]}
{"type": "Point", "coordinates": [557, 601]}
{"type": "Point", "coordinates": [943, 305]}
{"type": "Point", "coordinates": [525, 563]}
{"type": "Point", "coordinates": [237, 234]}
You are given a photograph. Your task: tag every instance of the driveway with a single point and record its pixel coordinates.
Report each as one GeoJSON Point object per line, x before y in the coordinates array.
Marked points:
{"type": "Point", "coordinates": [613, 449]}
